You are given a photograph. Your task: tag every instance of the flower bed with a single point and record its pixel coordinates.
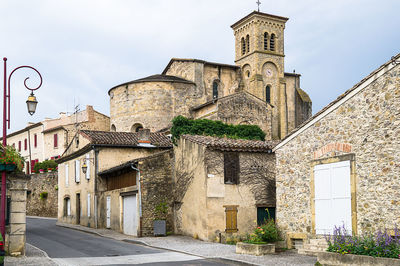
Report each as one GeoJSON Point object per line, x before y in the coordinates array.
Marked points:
{"type": "Point", "coordinates": [10, 159]}
{"type": "Point", "coordinates": [380, 244]}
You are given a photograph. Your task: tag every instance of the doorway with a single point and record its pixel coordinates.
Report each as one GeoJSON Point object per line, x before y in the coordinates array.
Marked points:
{"type": "Point", "coordinates": [78, 208]}
{"type": "Point", "coordinates": [130, 218]}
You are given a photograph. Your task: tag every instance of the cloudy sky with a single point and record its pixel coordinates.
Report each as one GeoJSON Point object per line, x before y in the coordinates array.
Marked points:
{"type": "Point", "coordinates": [83, 48]}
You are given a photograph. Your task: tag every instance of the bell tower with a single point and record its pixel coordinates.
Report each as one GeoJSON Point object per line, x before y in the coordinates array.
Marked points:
{"type": "Point", "coordinates": [259, 51]}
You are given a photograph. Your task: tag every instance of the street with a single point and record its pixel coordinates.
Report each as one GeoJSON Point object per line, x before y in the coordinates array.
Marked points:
{"type": "Point", "coordinates": [70, 247]}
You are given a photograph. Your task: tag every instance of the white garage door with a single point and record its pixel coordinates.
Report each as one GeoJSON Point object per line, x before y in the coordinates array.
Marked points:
{"type": "Point", "coordinates": [332, 197]}
{"type": "Point", "coordinates": [130, 221]}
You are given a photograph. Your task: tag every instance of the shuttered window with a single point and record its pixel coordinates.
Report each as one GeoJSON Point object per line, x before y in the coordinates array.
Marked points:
{"type": "Point", "coordinates": [25, 144]}
{"type": "Point", "coordinates": [231, 168]}
{"type": "Point", "coordinates": [88, 167]}
{"type": "Point", "coordinates": [66, 174]}
{"type": "Point", "coordinates": [35, 140]}
{"type": "Point", "coordinates": [55, 140]}
{"type": "Point", "coordinates": [231, 218]}
{"type": "Point", "coordinates": [19, 145]}
{"type": "Point", "coordinates": [77, 171]}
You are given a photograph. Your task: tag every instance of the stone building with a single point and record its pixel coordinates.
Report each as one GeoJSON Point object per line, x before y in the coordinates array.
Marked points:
{"type": "Point", "coordinates": [83, 193]}
{"type": "Point", "coordinates": [222, 186]}
{"type": "Point", "coordinates": [255, 90]}
{"type": "Point", "coordinates": [342, 167]}
{"type": "Point", "coordinates": [49, 139]}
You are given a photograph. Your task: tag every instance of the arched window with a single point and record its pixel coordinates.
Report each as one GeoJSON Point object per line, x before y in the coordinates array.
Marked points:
{"type": "Point", "coordinates": [136, 127]}
{"type": "Point", "coordinates": [272, 42]}
{"type": "Point", "coordinates": [266, 41]}
{"type": "Point", "coordinates": [215, 90]}
{"type": "Point", "coordinates": [243, 46]}
{"type": "Point", "coordinates": [248, 43]}
{"type": "Point", "coordinates": [268, 94]}
{"type": "Point", "coordinates": [113, 128]}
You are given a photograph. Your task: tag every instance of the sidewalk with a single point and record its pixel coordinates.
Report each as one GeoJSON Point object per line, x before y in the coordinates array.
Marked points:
{"type": "Point", "coordinates": [200, 248]}
{"type": "Point", "coordinates": [33, 257]}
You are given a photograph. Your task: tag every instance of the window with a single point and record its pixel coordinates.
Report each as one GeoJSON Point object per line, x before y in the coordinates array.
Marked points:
{"type": "Point", "coordinates": [248, 43]}
{"type": "Point", "coordinates": [266, 41]}
{"type": "Point", "coordinates": [265, 213]}
{"type": "Point", "coordinates": [136, 127]}
{"type": "Point", "coordinates": [88, 205]}
{"type": "Point", "coordinates": [272, 43]}
{"type": "Point", "coordinates": [13, 145]}
{"type": "Point", "coordinates": [77, 171]}
{"type": "Point", "coordinates": [66, 174]}
{"type": "Point", "coordinates": [35, 140]}
{"type": "Point", "coordinates": [268, 94]}
{"type": "Point", "coordinates": [215, 90]}
{"type": "Point", "coordinates": [67, 206]}
{"type": "Point", "coordinates": [231, 168]}
{"type": "Point", "coordinates": [25, 144]}
{"type": "Point", "coordinates": [231, 218]}
{"type": "Point", "coordinates": [19, 145]}
{"type": "Point", "coordinates": [113, 128]}
{"type": "Point", "coordinates": [55, 140]}
{"type": "Point", "coordinates": [243, 46]}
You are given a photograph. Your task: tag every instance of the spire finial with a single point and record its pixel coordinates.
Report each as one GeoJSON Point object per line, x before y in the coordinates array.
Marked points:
{"type": "Point", "coordinates": [258, 4]}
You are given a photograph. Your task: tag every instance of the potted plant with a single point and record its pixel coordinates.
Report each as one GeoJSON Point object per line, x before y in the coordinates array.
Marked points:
{"type": "Point", "coordinates": [41, 171]}
{"type": "Point", "coordinates": [10, 159]}
{"type": "Point", "coordinates": [159, 224]}
{"type": "Point", "coordinates": [49, 170]}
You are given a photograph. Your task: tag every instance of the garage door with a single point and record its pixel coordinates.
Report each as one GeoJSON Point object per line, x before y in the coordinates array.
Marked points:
{"type": "Point", "coordinates": [130, 220]}
{"type": "Point", "coordinates": [332, 197]}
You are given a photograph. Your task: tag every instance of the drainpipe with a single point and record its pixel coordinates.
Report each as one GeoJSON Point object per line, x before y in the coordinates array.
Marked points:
{"type": "Point", "coordinates": [140, 197]}
{"type": "Point", "coordinates": [96, 170]}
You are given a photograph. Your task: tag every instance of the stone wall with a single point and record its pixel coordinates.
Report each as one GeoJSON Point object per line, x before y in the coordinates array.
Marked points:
{"type": "Point", "coordinates": [156, 181]}
{"type": "Point", "coordinates": [366, 127]}
{"type": "Point", "coordinates": [47, 207]}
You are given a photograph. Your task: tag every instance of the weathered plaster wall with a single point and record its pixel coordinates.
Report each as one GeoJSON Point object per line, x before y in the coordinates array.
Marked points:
{"type": "Point", "coordinates": [38, 183]}
{"type": "Point", "coordinates": [366, 126]}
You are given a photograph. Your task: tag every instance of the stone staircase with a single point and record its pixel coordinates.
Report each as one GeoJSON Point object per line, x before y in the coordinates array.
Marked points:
{"type": "Point", "coordinates": [313, 246]}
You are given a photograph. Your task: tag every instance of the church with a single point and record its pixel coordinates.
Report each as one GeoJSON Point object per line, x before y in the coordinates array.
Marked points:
{"type": "Point", "coordinates": [255, 90]}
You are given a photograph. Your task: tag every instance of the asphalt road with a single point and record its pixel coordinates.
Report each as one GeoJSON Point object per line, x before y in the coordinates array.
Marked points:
{"type": "Point", "coordinates": [70, 247]}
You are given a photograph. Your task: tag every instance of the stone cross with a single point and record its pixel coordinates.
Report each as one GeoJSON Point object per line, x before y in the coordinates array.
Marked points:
{"type": "Point", "coordinates": [258, 3]}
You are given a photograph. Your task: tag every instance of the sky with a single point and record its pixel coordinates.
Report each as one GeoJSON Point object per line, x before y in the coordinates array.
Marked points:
{"type": "Point", "coordinates": [83, 48]}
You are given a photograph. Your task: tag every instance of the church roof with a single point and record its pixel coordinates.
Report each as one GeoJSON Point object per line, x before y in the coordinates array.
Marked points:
{"type": "Point", "coordinates": [197, 61]}
{"type": "Point", "coordinates": [225, 144]}
{"type": "Point", "coordinates": [254, 13]}
{"type": "Point", "coordinates": [155, 78]}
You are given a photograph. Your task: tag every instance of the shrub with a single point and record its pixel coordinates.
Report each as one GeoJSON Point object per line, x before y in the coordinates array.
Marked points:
{"type": "Point", "coordinates": [265, 233]}
{"type": "Point", "coordinates": [43, 195]}
{"type": "Point", "coordinates": [45, 165]}
{"type": "Point", "coordinates": [380, 244]}
{"type": "Point", "coordinates": [182, 125]}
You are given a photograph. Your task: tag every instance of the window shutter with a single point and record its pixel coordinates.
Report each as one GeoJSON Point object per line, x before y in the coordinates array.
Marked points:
{"type": "Point", "coordinates": [77, 171]}
{"type": "Point", "coordinates": [68, 207]}
{"type": "Point", "coordinates": [55, 140]}
{"type": "Point", "coordinates": [35, 140]}
{"type": "Point", "coordinates": [88, 167]}
{"type": "Point", "coordinates": [19, 145]}
{"type": "Point", "coordinates": [231, 218]}
{"type": "Point", "coordinates": [231, 168]}
{"type": "Point", "coordinates": [25, 144]}
{"type": "Point", "coordinates": [66, 174]}
{"type": "Point", "coordinates": [88, 205]}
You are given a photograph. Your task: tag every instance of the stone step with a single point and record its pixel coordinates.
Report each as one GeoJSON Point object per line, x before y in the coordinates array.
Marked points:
{"type": "Point", "coordinates": [318, 241]}
{"type": "Point", "coordinates": [308, 252]}
{"type": "Point", "coordinates": [317, 248]}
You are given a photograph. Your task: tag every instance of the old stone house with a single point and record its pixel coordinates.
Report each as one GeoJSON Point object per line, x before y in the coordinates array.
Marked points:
{"type": "Point", "coordinates": [342, 167]}
{"type": "Point", "coordinates": [256, 90]}
{"type": "Point", "coordinates": [222, 186]}
{"type": "Point", "coordinates": [82, 192]}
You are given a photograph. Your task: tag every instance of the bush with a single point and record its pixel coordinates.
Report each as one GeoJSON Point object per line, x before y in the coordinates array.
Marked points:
{"type": "Point", "coordinates": [182, 125]}
{"type": "Point", "coordinates": [45, 165]}
{"type": "Point", "coordinates": [43, 195]}
{"type": "Point", "coordinates": [381, 244]}
{"type": "Point", "coordinates": [265, 233]}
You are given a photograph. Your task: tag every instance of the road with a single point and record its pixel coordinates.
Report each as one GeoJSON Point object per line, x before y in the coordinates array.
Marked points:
{"type": "Point", "coordinates": [70, 247]}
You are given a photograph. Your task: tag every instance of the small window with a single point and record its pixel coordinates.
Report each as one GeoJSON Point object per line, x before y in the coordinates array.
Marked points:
{"type": "Point", "coordinates": [243, 46]}
{"type": "Point", "coordinates": [247, 43]}
{"type": "Point", "coordinates": [113, 128]}
{"type": "Point", "coordinates": [136, 127]}
{"type": "Point", "coordinates": [55, 140]}
{"type": "Point", "coordinates": [67, 206]}
{"type": "Point", "coordinates": [265, 213]}
{"type": "Point", "coordinates": [19, 145]}
{"type": "Point", "coordinates": [215, 90]}
{"type": "Point", "coordinates": [231, 168]}
{"type": "Point", "coordinates": [25, 144]}
{"type": "Point", "coordinates": [272, 43]}
{"type": "Point", "coordinates": [13, 145]}
{"type": "Point", "coordinates": [268, 94]}
{"type": "Point", "coordinates": [266, 41]}
{"type": "Point", "coordinates": [35, 140]}
{"type": "Point", "coordinates": [231, 218]}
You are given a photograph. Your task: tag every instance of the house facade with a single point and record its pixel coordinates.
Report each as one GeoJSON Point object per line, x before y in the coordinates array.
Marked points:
{"type": "Point", "coordinates": [83, 193]}
{"type": "Point", "coordinates": [222, 186]}
{"type": "Point", "coordinates": [341, 167]}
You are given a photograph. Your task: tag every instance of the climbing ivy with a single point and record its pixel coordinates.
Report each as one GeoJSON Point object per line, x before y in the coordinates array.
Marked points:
{"type": "Point", "coordinates": [182, 125]}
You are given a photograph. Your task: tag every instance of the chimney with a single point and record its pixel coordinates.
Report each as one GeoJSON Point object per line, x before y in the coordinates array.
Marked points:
{"type": "Point", "coordinates": [144, 135]}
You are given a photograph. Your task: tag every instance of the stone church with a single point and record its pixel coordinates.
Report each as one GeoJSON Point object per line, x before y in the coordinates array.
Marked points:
{"type": "Point", "coordinates": [256, 90]}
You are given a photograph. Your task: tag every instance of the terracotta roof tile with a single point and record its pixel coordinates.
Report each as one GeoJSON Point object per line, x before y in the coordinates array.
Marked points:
{"type": "Point", "coordinates": [125, 138]}
{"type": "Point", "coordinates": [225, 144]}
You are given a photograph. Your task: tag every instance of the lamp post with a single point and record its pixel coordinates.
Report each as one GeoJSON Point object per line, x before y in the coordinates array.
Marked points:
{"type": "Point", "coordinates": [31, 104]}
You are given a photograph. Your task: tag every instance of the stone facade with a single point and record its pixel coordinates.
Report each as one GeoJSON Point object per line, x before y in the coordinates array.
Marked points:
{"type": "Point", "coordinates": [38, 183]}
{"type": "Point", "coordinates": [361, 126]}
{"type": "Point", "coordinates": [201, 194]}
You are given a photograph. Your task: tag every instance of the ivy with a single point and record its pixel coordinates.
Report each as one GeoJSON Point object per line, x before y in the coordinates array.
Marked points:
{"type": "Point", "coordinates": [182, 125]}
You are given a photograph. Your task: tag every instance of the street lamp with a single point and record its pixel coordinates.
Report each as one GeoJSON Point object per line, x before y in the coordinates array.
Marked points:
{"type": "Point", "coordinates": [31, 104]}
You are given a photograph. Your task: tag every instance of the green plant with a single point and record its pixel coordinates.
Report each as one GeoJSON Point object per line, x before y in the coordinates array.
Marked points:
{"type": "Point", "coordinates": [45, 165]}
{"type": "Point", "coordinates": [43, 195]}
{"type": "Point", "coordinates": [56, 187]}
{"type": "Point", "coordinates": [182, 125]}
{"type": "Point", "coordinates": [11, 156]}
{"type": "Point", "coordinates": [161, 210]}
{"type": "Point", "coordinates": [265, 233]}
